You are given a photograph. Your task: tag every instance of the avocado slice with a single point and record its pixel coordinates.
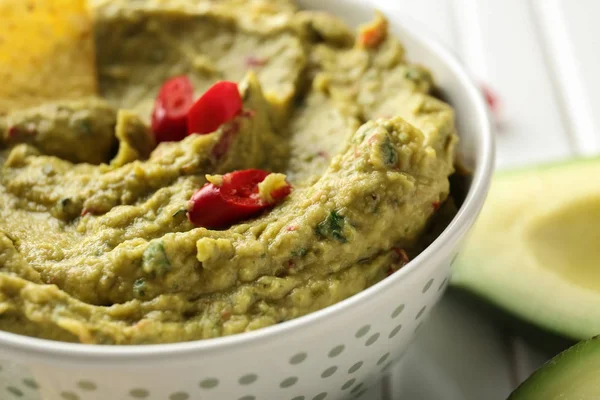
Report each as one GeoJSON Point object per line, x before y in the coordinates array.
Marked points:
{"type": "Point", "coordinates": [535, 250]}
{"type": "Point", "coordinates": [571, 375]}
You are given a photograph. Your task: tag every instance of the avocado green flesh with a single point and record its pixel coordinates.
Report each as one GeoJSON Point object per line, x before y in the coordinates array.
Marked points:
{"type": "Point", "coordinates": [572, 375]}
{"type": "Point", "coordinates": [95, 247]}
{"type": "Point", "coordinates": [534, 250]}
{"type": "Point", "coordinates": [58, 128]}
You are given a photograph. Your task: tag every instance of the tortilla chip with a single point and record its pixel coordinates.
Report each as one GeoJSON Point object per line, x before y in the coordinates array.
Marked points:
{"type": "Point", "coordinates": [46, 52]}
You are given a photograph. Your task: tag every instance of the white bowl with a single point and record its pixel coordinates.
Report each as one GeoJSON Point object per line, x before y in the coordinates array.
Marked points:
{"type": "Point", "coordinates": [331, 354]}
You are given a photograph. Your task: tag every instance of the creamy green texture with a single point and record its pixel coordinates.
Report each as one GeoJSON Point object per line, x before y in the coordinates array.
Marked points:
{"type": "Point", "coordinates": [95, 246]}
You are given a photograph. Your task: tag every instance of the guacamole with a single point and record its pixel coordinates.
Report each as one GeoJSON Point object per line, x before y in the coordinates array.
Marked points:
{"type": "Point", "coordinates": [95, 244]}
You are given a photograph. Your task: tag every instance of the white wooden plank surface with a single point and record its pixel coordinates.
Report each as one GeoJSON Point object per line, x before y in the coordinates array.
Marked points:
{"type": "Point", "coordinates": [570, 31]}
{"type": "Point", "coordinates": [541, 57]}
{"type": "Point", "coordinates": [531, 127]}
{"type": "Point", "coordinates": [462, 353]}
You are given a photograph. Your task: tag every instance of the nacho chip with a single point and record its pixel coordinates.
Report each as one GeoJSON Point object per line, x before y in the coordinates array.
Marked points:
{"type": "Point", "coordinates": [46, 52]}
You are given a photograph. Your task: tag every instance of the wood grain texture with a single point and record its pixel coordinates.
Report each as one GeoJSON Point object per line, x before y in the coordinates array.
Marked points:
{"type": "Point", "coordinates": [541, 58]}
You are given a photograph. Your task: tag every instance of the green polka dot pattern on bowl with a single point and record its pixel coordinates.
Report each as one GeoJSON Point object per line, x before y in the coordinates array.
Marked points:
{"type": "Point", "coordinates": [418, 327]}
{"type": "Point", "coordinates": [398, 311]}
{"type": "Point", "coordinates": [30, 383]}
{"type": "Point", "coordinates": [139, 393]}
{"type": "Point", "coordinates": [336, 351]}
{"type": "Point", "coordinates": [248, 379]}
{"type": "Point", "coordinates": [209, 383]}
{"type": "Point", "coordinates": [298, 358]}
{"type": "Point", "coordinates": [69, 396]}
{"type": "Point", "coordinates": [372, 339]}
{"type": "Point", "coordinates": [395, 331]}
{"type": "Point", "coordinates": [387, 366]}
{"type": "Point", "coordinates": [443, 284]}
{"type": "Point", "coordinates": [87, 385]}
{"type": "Point", "coordinates": [179, 396]}
{"type": "Point", "coordinates": [383, 358]}
{"type": "Point", "coordinates": [348, 384]}
{"type": "Point", "coordinates": [453, 259]}
{"type": "Point", "coordinates": [421, 312]}
{"type": "Point", "coordinates": [355, 367]}
{"type": "Point", "coordinates": [329, 372]}
{"type": "Point", "coordinates": [362, 331]}
{"type": "Point", "coordinates": [14, 391]}
{"type": "Point", "coordinates": [288, 382]}
{"type": "Point", "coordinates": [357, 388]}
{"type": "Point", "coordinates": [427, 286]}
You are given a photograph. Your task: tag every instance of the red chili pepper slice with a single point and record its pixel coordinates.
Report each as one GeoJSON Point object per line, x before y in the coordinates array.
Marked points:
{"type": "Point", "coordinates": [235, 200]}
{"type": "Point", "coordinates": [169, 117]}
{"type": "Point", "coordinates": [217, 105]}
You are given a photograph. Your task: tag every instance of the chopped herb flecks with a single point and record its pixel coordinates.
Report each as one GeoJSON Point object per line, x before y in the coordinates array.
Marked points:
{"type": "Point", "coordinates": [301, 252]}
{"type": "Point", "coordinates": [332, 227]}
{"type": "Point", "coordinates": [139, 287]}
{"type": "Point", "coordinates": [155, 260]}
{"type": "Point", "coordinates": [65, 201]}
{"type": "Point", "coordinates": [85, 126]}
{"type": "Point", "coordinates": [413, 73]}
{"type": "Point", "coordinates": [179, 213]}
{"type": "Point", "coordinates": [157, 55]}
{"type": "Point", "coordinates": [390, 156]}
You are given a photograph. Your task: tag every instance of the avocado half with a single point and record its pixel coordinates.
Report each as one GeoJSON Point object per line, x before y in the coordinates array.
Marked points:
{"type": "Point", "coordinates": [571, 375]}
{"type": "Point", "coordinates": [535, 250]}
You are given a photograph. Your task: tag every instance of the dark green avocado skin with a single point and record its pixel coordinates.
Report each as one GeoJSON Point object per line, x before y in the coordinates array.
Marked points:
{"type": "Point", "coordinates": [571, 375]}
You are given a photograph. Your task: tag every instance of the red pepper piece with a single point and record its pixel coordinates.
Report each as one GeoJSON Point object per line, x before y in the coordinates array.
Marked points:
{"type": "Point", "coordinates": [491, 98]}
{"type": "Point", "coordinates": [252, 61]}
{"type": "Point", "coordinates": [222, 146]}
{"type": "Point", "coordinates": [373, 34]}
{"type": "Point", "coordinates": [402, 254]}
{"type": "Point", "coordinates": [169, 117]}
{"type": "Point", "coordinates": [13, 131]}
{"type": "Point", "coordinates": [235, 200]}
{"type": "Point", "coordinates": [281, 193]}
{"type": "Point", "coordinates": [219, 104]}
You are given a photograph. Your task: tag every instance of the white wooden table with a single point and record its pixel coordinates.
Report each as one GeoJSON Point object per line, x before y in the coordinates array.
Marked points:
{"type": "Point", "coordinates": [542, 59]}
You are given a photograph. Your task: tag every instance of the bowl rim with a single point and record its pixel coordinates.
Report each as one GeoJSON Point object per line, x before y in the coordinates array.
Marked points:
{"type": "Point", "coordinates": [49, 349]}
